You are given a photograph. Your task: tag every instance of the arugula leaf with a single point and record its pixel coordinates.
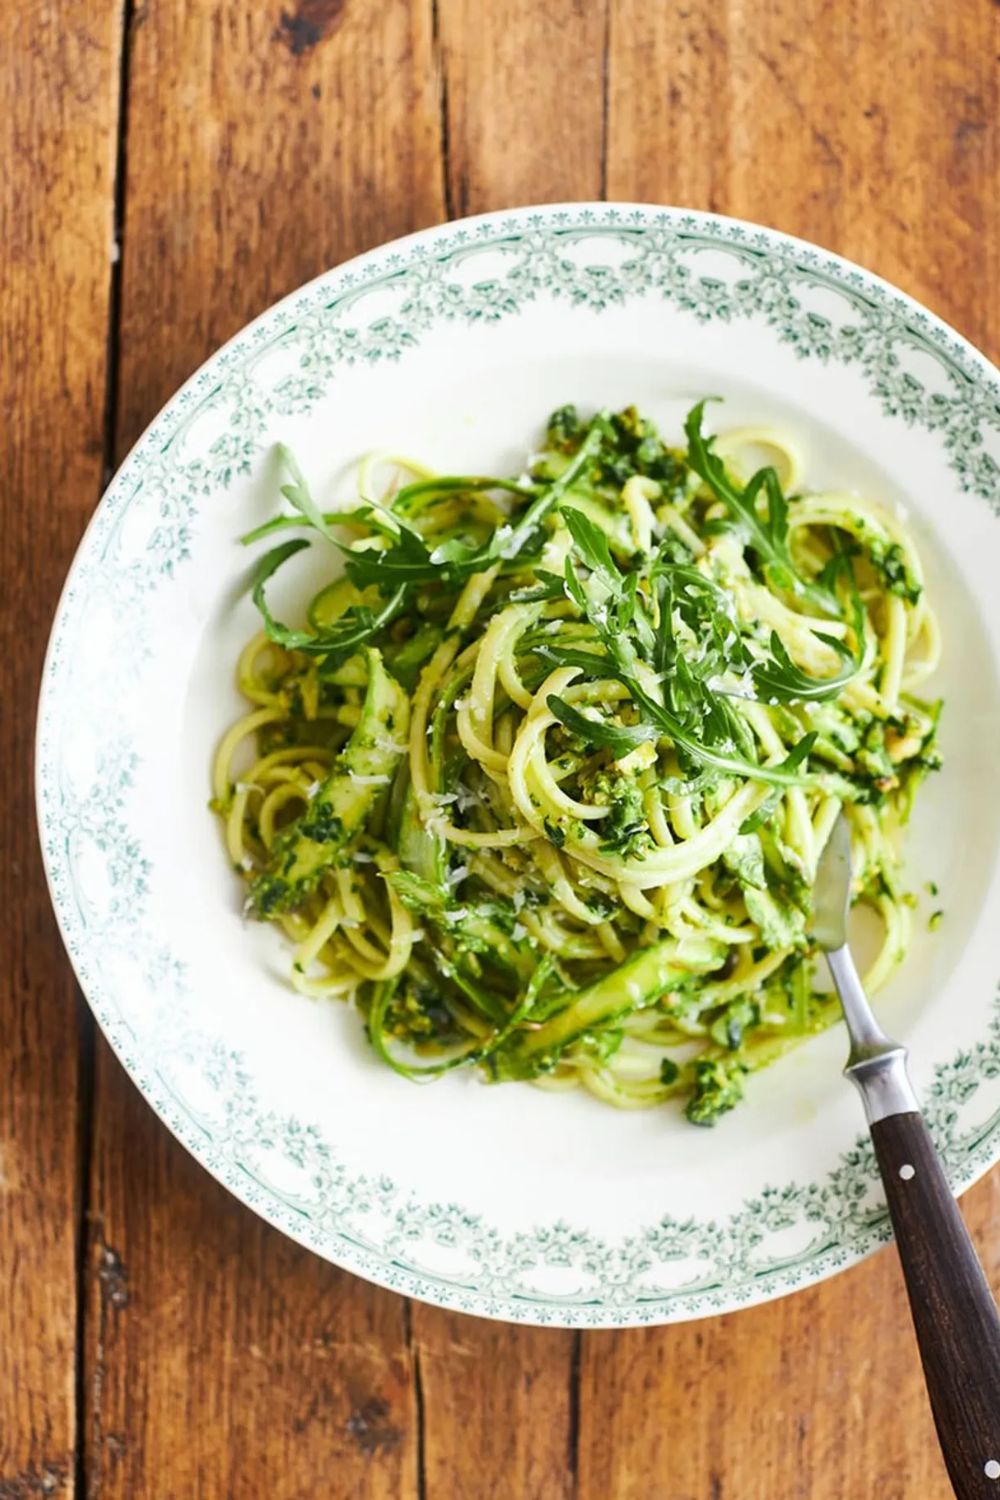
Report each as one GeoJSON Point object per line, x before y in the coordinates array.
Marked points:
{"type": "Point", "coordinates": [355, 626]}
{"type": "Point", "coordinates": [767, 809]}
{"type": "Point", "coordinates": [526, 1007]}
{"type": "Point", "coordinates": [612, 602]}
{"type": "Point", "coordinates": [550, 497]}
{"type": "Point", "coordinates": [766, 535]}
{"type": "Point", "coordinates": [264, 568]}
{"type": "Point", "coordinates": [406, 540]}
{"type": "Point", "coordinates": [618, 738]}
{"type": "Point", "coordinates": [406, 560]}
{"type": "Point", "coordinates": [386, 521]}
{"type": "Point", "coordinates": [693, 715]}
{"type": "Point", "coordinates": [452, 560]}
{"type": "Point", "coordinates": [337, 641]}
{"type": "Point", "coordinates": [779, 678]}
{"type": "Point", "coordinates": [594, 662]}
{"type": "Point", "coordinates": [362, 515]}
{"type": "Point", "coordinates": [573, 586]}
{"type": "Point", "coordinates": [722, 759]}
{"type": "Point", "coordinates": [549, 586]}
{"type": "Point", "coordinates": [592, 545]}
{"type": "Point", "coordinates": [799, 752]}
{"type": "Point", "coordinates": [841, 567]}
{"type": "Point", "coordinates": [299, 494]}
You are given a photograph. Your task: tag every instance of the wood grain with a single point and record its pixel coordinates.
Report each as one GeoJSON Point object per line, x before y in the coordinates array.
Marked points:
{"type": "Point", "coordinates": [262, 147]}
{"type": "Point", "coordinates": [524, 88]}
{"type": "Point", "coordinates": [261, 144]}
{"type": "Point", "coordinates": [499, 1402]}
{"type": "Point", "coordinates": [815, 1397]}
{"type": "Point", "coordinates": [872, 130]}
{"type": "Point", "coordinates": [58, 120]}
{"type": "Point", "coordinates": [223, 1360]}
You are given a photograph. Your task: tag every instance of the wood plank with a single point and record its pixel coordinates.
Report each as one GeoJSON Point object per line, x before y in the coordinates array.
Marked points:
{"type": "Point", "coordinates": [524, 91]}
{"type": "Point", "coordinates": [259, 154]}
{"type": "Point", "coordinates": [222, 1359]}
{"type": "Point", "coordinates": [869, 129]}
{"type": "Point", "coordinates": [873, 132]}
{"type": "Point", "coordinates": [58, 124]}
{"type": "Point", "coordinates": [263, 146]}
{"type": "Point", "coordinates": [816, 1397]}
{"type": "Point", "coordinates": [498, 1408]}
{"type": "Point", "coordinates": [498, 1401]}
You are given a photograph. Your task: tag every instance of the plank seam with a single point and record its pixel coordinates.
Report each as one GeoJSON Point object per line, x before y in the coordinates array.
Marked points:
{"type": "Point", "coordinates": [418, 1399]}
{"type": "Point", "coordinates": [441, 69]}
{"type": "Point", "coordinates": [85, 1441]}
{"type": "Point", "coordinates": [573, 1456]}
{"type": "Point", "coordinates": [605, 98]}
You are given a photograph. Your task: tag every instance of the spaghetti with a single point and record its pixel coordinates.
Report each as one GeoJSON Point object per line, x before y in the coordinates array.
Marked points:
{"type": "Point", "coordinates": [542, 781]}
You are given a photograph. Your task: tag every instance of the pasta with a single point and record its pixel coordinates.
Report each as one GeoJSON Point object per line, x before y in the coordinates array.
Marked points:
{"type": "Point", "coordinates": [542, 781]}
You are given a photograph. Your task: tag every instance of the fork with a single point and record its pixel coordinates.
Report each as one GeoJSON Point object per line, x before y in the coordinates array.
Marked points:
{"type": "Point", "coordinates": [954, 1314]}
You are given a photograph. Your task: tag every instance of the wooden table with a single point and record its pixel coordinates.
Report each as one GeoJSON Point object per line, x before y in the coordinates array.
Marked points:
{"type": "Point", "coordinates": [167, 169]}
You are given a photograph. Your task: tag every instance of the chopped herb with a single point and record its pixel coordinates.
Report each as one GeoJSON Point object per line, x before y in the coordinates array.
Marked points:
{"type": "Point", "coordinates": [718, 1087]}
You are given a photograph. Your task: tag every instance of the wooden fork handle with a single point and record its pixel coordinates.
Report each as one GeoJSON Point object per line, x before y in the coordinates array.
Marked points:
{"type": "Point", "coordinates": [954, 1314]}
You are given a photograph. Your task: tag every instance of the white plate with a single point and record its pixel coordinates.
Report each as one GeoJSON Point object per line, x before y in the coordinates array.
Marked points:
{"type": "Point", "coordinates": [453, 345]}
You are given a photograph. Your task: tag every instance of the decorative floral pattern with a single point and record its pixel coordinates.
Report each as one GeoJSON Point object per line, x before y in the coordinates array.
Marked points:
{"type": "Point", "coordinates": [377, 309]}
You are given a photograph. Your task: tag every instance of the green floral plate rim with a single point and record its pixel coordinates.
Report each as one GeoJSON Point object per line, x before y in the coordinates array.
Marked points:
{"type": "Point", "coordinates": [590, 259]}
